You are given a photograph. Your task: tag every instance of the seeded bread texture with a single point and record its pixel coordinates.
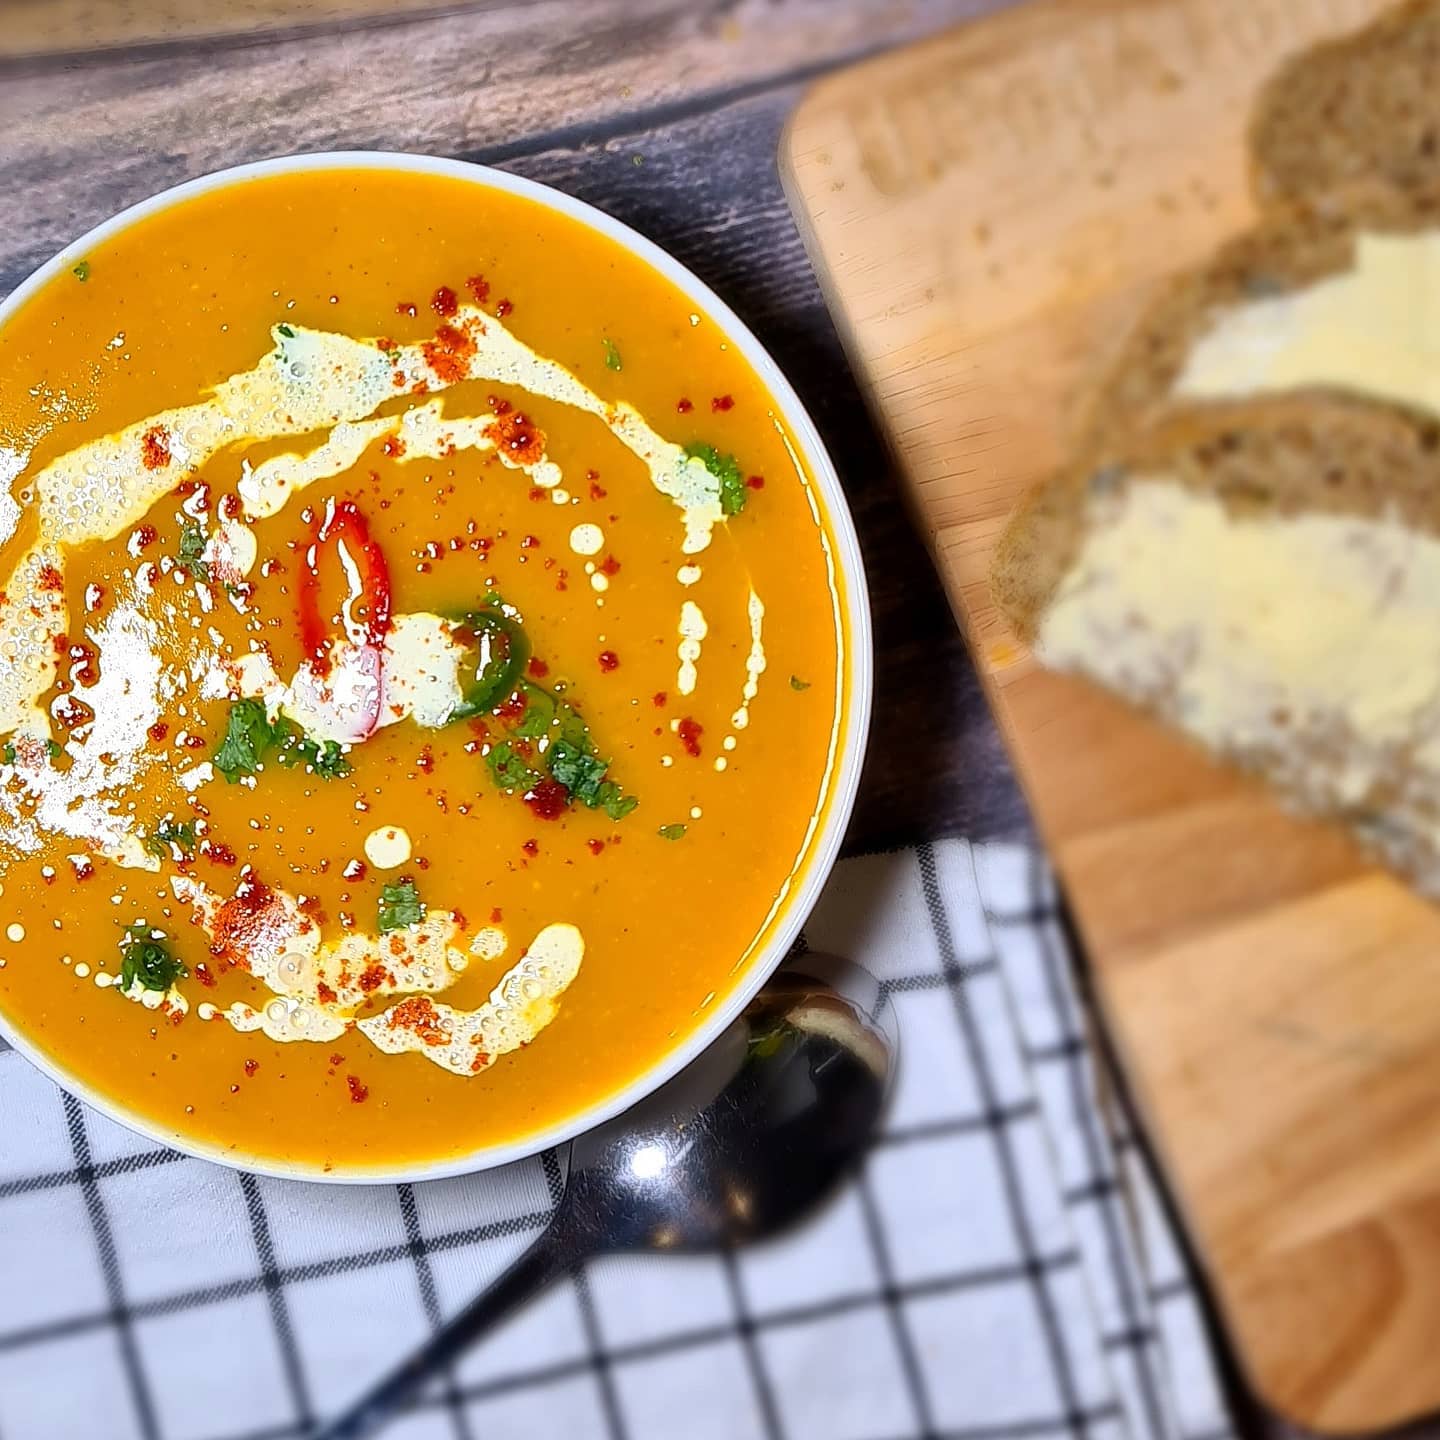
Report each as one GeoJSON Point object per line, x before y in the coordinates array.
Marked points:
{"type": "Point", "coordinates": [1265, 462]}
{"type": "Point", "coordinates": [1291, 248]}
{"type": "Point", "coordinates": [1310, 450]}
{"type": "Point", "coordinates": [1364, 110]}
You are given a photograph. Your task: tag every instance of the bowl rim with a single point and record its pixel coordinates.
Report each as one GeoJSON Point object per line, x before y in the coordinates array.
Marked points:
{"type": "Point", "coordinates": [857, 668]}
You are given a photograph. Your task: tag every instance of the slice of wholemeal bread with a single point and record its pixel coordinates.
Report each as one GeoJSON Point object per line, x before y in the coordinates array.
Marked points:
{"type": "Point", "coordinates": [1361, 109]}
{"type": "Point", "coordinates": [1239, 325]}
{"type": "Point", "coordinates": [1266, 576]}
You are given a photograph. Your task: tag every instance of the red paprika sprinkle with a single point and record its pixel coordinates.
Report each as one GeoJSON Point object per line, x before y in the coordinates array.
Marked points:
{"type": "Point", "coordinates": [503, 309]}
{"type": "Point", "coordinates": [443, 302]}
{"type": "Point", "coordinates": [479, 287]}
{"type": "Point", "coordinates": [660, 698]}
{"type": "Point", "coordinates": [690, 732]}
{"type": "Point", "coordinates": [756, 482]}
{"type": "Point", "coordinates": [155, 447]}
{"type": "Point", "coordinates": [406, 307]}
{"type": "Point", "coordinates": [609, 660]}
{"type": "Point", "coordinates": [721, 402]}
{"type": "Point", "coordinates": [531, 848]}
{"type": "Point", "coordinates": [683, 406]}
{"type": "Point", "coordinates": [158, 731]}
{"type": "Point", "coordinates": [358, 1093]}
{"type": "Point", "coordinates": [144, 537]}
{"type": "Point", "coordinates": [609, 566]}
{"type": "Point", "coordinates": [537, 668]}
{"type": "Point", "coordinates": [251, 1066]}
{"type": "Point", "coordinates": [596, 846]}
{"type": "Point", "coordinates": [547, 801]}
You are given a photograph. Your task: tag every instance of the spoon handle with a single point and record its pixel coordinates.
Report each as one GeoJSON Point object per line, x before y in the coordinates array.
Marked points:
{"type": "Point", "coordinates": [551, 1255]}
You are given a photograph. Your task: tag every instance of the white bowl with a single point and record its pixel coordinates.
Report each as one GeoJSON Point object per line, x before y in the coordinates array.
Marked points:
{"type": "Point", "coordinates": [855, 672]}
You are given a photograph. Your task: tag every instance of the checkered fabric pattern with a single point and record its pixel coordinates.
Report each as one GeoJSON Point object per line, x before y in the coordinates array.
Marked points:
{"type": "Point", "coordinates": [999, 1269]}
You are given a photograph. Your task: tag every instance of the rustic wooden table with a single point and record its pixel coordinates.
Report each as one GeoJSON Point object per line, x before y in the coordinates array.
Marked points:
{"type": "Point", "coordinates": [664, 113]}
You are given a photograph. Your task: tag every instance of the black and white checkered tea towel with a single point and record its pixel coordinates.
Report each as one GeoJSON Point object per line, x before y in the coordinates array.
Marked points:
{"type": "Point", "coordinates": [1001, 1267]}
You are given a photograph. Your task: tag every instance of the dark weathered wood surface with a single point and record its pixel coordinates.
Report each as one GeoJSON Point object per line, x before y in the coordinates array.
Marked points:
{"type": "Point", "coordinates": [665, 114]}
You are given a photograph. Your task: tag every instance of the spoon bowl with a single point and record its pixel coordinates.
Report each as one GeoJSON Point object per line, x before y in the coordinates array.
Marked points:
{"type": "Point", "coordinates": [743, 1143]}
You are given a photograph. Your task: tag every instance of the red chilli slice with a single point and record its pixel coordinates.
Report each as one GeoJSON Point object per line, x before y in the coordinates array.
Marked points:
{"type": "Point", "coordinates": [344, 524]}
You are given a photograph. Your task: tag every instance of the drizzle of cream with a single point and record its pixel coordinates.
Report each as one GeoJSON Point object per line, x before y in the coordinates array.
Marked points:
{"type": "Point", "coordinates": [519, 1008]}
{"type": "Point", "coordinates": [387, 846]}
{"type": "Point", "coordinates": [587, 539]}
{"type": "Point", "coordinates": [754, 662]}
{"type": "Point", "coordinates": [693, 630]}
{"type": "Point", "coordinates": [423, 432]}
{"type": "Point", "coordinates": [288, 956]}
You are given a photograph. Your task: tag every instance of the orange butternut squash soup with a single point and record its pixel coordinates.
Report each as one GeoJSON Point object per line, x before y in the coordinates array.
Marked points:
{"type": "Point", "coordinates": [420, 668]}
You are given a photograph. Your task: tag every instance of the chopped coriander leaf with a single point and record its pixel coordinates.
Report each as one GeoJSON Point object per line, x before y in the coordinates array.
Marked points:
{"type": "Point", "coordinates": [796, 683]}
{"type": "Point", "coordinates": [726, 469]}
{"type": "Point", "coordinates": [146, 960]}
{"type": "Point", "coordinates": [509, 768]}
{"type": "Point", "coordinates": [170, 833]}
{"type": "Point", "coordinates": [400, 905]}
{"type": "Point", "coordinates": [575, 764]}
{"type": "Point", "coordinates": [579, 771]}
{"type": "Point", "coordinates": [324, 757]}
{"type": "Point", "coordinates": [192, 547]}
{"type": "Point", "coordinates": [81, 271]}
{"type": "Point", "coordinates": [614, 802]}
{"type": "Point", "coordinates": [612, 355]}
{"type": "Point", "coordinates": [672, 832]}
{"type": "Point", "coordinates": [249, 737]}
{"type": "Point", "coordinates": [53, 750]}
{"type": "Point", "coordinates": [8, 753]}
{"type": "Point", "coordinates": [540, 707]}
{"type": "Point", "coordinates": [286, 331]}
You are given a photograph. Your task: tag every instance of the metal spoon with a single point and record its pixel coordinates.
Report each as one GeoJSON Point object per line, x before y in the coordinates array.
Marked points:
{"type": "Point", "coordinates": [739, 1145]}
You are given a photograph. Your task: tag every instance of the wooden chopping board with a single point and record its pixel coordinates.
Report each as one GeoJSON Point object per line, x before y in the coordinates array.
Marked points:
{"type": "Point", "coordinates": [988, 211]}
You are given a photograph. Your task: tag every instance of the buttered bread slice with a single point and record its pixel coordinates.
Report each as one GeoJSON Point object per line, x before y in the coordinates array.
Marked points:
{"type": "Point", "coordinates": [1266, 576]}
{"type": "Point", "coordinates": [1348, 299]}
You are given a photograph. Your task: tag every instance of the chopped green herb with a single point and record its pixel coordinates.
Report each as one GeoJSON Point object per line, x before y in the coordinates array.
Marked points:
{"type": "Point", "coordinates": [81, 271]}
{"type": "Point", "coordinates": [146, 960]}
{"type": "Point", "coordinates": [170, 836]}
{"type": "Point", "coordinates": [672, 832]}
{"type": "Point", "coordinates": [9, 752]}
{"type": "Point", "coordinates": [726, 469]}
{"type": "Point", "coordinates": [614, 802]}
{"type": "Point", "coordinates": [400, 905]}
{"type": "Point", "coordinates": [575, 764]}
{"type": "Point", "coordinates": [579, 771]}
{"type": "Point", "coordinates": [796, 683]}
{"type": "Point", "coordinates": [192, 547]}
{"type": "Point", "coordinates": [324, 757]}
{"type": "Point", "coordinates": [53, 750]}
{"type": "Point", "coordinates": [540, 707]}
{"type": "Point", "coordinates": [612, 355]}
{"type": "Point", "coordinates": [250, 737]}
{"type": "Point", "coordinates": [509, 768]}
{"type": "Point", "coordinates": [286, 331]}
